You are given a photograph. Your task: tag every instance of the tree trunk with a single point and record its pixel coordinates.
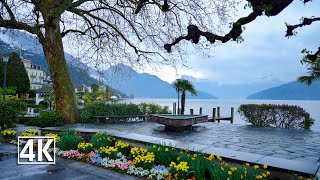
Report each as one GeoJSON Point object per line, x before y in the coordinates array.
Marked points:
{"type": "Point", "coordinates": [183, 101]}
{"type": "Point", "coordinates": [62, 83]}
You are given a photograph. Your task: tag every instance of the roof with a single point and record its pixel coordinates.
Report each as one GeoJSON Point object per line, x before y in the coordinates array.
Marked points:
{"type": "Point", "coordinates": [45, 90]}
{"type": "Point", "coordinates": [26, 60]}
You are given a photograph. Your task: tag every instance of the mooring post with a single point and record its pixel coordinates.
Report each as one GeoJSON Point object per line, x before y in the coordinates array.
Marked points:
{"type": "Point", "coordinates": [200, 111]}
{"type": "Point", "coordinates": [214, 115]}
{"type": "Point", "coordinates": [191, 111]}
{"type": "Point", "coordinates": [218, 113]}
{"type": "Point", "coordinates": [232, 115]}
{"type": "Point", "coordinates": [174, 110]}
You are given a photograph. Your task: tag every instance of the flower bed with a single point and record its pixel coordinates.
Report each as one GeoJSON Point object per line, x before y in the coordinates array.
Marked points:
{"type": "Point", "coordinates": [154, 161]}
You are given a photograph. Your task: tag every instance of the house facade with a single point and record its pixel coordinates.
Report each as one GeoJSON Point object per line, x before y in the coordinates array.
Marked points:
{"type": "Point", "coordinates": [37, 76]}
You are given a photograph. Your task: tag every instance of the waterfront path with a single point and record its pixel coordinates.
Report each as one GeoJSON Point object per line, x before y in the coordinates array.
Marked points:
{"type": "Point", "coordinates": [293, 144]}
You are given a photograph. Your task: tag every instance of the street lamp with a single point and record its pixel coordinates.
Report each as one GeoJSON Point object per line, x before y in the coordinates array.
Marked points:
{"type": "Point", "coordinates": [5, 59]}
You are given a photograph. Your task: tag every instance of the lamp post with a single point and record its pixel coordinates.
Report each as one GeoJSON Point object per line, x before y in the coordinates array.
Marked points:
{"type": "Point", "coordinates": [5, 59]}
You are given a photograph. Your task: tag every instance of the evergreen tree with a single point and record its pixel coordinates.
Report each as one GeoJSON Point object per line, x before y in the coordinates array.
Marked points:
{"type": "Point", "coordinates": [16, 74]}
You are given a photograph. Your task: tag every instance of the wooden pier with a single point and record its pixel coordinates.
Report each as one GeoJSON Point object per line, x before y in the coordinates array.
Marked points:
{"type": "Point", "coordinates": [216, 116]}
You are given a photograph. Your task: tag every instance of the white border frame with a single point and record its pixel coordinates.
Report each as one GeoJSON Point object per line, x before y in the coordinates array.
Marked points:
{"type": "Point", "coordinates": [37, 137]}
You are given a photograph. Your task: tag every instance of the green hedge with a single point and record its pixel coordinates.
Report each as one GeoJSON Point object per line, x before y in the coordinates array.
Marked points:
{"type": "Point", "coordinates": [150, 108]}
{"type": "Point", "coordinates": [47, 119]}
{"type": "Point", "coordinates": [282, 116]}
{"type": "Point", "coordinates": [101, 109]}
{"type": "Point", "coordinates": [8, 116]}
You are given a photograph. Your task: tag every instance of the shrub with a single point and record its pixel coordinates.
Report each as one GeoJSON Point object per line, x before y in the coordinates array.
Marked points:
{"type": "Point", "coordinates": [17, 105]}
{"type": "Point", "coordinates": [101, 109]}
{"type": "Point", "coordinates": [8, 116]}
{"type": "Point", "coordinates": [69, 139]}
{"type": "Point", "coordinates": [152, 108]}
{"type": "Point", "coordinates": [101, 139]}
{"type": "Point", "coordinates": [282, 116]}
{"type": "Point", "coordinates": [47, 119]}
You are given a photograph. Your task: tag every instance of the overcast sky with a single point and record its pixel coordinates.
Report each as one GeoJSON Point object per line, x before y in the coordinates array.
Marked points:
{"type": "Point", "coordinates": [265, 55]}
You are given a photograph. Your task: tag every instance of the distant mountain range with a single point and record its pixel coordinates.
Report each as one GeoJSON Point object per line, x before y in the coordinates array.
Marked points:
{"type": "Point", "coordinates": [290, 91]}
{"type": "Point", "coordinates": [144, 85]}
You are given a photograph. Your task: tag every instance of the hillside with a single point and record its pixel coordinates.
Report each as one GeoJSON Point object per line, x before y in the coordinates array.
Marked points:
{"type": "Point", "coordinates": [290, 91]}
{"type": "Point", "coordinates": [144, 85]}
{"type": "Point", "coordinates": [33, 51]}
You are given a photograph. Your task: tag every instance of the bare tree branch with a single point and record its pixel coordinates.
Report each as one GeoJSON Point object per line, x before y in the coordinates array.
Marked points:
{"type": "Point", "coordinates": [305, 22]}
{"type": "Point", "coordinates": [194, 33]}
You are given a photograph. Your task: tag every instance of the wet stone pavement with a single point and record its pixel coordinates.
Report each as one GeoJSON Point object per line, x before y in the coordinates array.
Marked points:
{"type": "Point", "coordinates": [302, 145]}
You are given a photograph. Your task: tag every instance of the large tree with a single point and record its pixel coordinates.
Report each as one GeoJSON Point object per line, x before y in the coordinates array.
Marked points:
{"type": "Point", "coordinates": [129, 30]}
{"type": "Point", "coordinates": [16, 74]}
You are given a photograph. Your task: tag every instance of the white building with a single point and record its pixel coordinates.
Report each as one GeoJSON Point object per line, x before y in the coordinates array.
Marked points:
{"type": "Point", "coordinates": [36, 75]}
{"type": "Point", "coordinates": [42, 93]}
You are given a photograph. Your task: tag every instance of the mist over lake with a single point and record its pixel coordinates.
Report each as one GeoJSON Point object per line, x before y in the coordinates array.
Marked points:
{"type": "Point", "coordinates": [312, 107]}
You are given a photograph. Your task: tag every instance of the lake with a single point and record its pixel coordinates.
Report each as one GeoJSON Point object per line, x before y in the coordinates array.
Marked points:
{"type": "Point", "coordinates": [312, 107]}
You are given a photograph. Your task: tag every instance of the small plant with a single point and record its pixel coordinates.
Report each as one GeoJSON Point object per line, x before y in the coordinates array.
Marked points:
{"type": "Point", "coordinates": [108, 151]}
{"type": "Point", "coordinates": [69, 140]}
{"type": "Point", "coordinates": [30, 132]}
{"type": "Point", "coordinates": [8, 134]}
{"type": "Point", "coordinates": [161, 151]}
{"type": "Point", "coordinates": [85, 147]}
{"type": "Point", "coordinates": [122, 147]}
{"type": "Point", "coordinates": [101, 139]}
{"type": "Point", "coordinates": [57, 137]}
{"type": "Point", "coordinates": [142, 158]}
{"type": "Point", "coordinates": [180, 170]}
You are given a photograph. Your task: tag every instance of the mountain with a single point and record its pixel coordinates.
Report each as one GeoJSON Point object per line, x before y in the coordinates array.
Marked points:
{"type": "Point", "coordinates": [144, 85]}
{"type": "Point", "coordinates": [231, 91]}
{"type": "Point", "coordinates": [290, 91]}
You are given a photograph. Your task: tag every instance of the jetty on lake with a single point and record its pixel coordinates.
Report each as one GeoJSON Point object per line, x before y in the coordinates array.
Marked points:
{"type": "Point", "coordinates": [216, 115]}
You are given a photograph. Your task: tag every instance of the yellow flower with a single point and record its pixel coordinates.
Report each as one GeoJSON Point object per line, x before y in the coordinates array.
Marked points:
{"type": "Point", "coordinates": [222, 169]}
{"type": "Point", "coordinates": [230, 172]}
{"type": "Point", "coordinates": [265, 166]}
{"type": "Point", "coordinates": [247, 164]}
{"type": "Point", "coordinates": [195, 155]}
{"type": "Point", "coordinates": [219, 158]}
{"type": "Point", "coordinates": [228, 178]}
{"type": "Point", "coordinates": [154, 146]}
{"type": "Point", "coordinates": [255, 166]}
{"type": "Point", "coordinates": [259, 177]}
{"type": "Point", "coordinates": [211, 157]}
{"type": "Point", "coordinates": [233, 168]}
{"type": "Point", "coordinates": [268, 173]}
{"type": "Point", "coordinates": [193, 159]}
{"type": "Point", "coordinates": [166, 149]}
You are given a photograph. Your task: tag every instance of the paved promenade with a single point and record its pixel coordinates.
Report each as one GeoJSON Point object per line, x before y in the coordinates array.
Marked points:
{"type": "Point", "coordinates": [302, 145]}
